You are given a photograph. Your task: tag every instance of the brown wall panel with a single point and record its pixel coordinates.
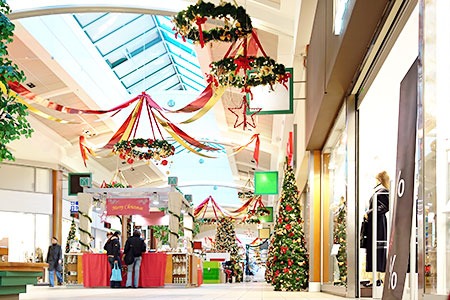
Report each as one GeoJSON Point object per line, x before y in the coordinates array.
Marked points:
{"type": "Point", "coordinates": [333, 62]}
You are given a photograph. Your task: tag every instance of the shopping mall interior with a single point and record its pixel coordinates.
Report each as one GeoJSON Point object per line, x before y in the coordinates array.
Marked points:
{"type": "Point", "coordinates": [246, 141]}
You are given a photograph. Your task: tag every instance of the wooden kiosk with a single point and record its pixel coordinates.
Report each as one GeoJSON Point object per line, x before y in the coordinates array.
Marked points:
{"type": "Point", "coordinates": [157, 269]}
{"type": "Point", "coordinates": [14, 277]}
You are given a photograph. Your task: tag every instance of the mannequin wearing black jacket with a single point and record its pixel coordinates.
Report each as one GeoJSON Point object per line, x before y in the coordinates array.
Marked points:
{"type": "Point", "coordinates": [381, 193]}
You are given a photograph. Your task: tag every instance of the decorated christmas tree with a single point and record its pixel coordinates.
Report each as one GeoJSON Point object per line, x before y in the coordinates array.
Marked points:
{"type": "Point", "coordinates": [268, 275]}
{"type": "Point", "coordinates": [289, 260]}
{"type": "Point", "coordinates": [226, 242]}
{"type": "Point", "coordinates": [71, 236]}
{"type": "Point", "coordinates": [340, 237]}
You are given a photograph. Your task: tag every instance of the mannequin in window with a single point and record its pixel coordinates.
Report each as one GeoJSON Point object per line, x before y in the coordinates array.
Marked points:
{"type": "Point", "coordinates": [382, 191]}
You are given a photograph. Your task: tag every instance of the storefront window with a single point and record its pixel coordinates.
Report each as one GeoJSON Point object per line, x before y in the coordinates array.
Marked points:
{"type": "Point", "coordinates": [335, 207]}
{"type": "Point", "coordinates": [28, 239]}
{"type": "Point", "coordinates": [378, 124]}
{"type": "Point", "coordinates": [436, 148]}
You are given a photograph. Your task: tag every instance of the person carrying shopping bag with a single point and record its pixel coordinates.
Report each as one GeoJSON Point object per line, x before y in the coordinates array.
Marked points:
{"type": "Point", "coordinates": [112, 247]}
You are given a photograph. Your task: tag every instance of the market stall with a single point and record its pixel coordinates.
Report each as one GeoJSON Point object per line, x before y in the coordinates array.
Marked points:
{"type": "Point", "coordinates": [96, 270]}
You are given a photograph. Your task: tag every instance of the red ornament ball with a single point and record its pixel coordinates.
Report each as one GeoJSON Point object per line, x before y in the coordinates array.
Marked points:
{"type": "Point", "coordinates": [164, 162]}
{"type": "Point", "coordinates": [130, 160]}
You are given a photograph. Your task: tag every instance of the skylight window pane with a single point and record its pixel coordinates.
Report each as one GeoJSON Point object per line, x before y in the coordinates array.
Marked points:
{"type": "Point", "coordinates": [188, 78]}
{"type": "Point", "coordinates": [165, 22]}
{"type": "Point", "coordinates": [188, 48]}
{"type": "Point", "coordinates": [139, 74]}
{"type": "Point", "coordinates": [195, 69]}
{"type": "Point", "coordinates": [191, 84]}
{"type": "Point", "coordinates": [193, 76]}
{"type": "Point", "coordinates": [87, 18]}
{"type": "Point", "coordinates": [166, 84]}
{"type": "Point", "coordinates": [138, 32]}
{"type": "Point", "coordinates": [140, 60]}
{"type": "Point", "coordinates": [181, 53]}
{"type": "Point", "coordinates": [110, 23]}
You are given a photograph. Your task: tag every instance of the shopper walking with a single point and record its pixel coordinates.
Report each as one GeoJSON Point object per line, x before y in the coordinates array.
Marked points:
{"type": "Point", "coordinates": [54, 260]}
{"type": "Point", "coordinates": [134, 246]}
{"type": "Point", "coordinates": [112, 247]}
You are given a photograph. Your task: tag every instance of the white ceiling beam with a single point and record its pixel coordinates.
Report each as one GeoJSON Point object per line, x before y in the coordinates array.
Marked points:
{"type": "Point", "coordinates": [56, 93]}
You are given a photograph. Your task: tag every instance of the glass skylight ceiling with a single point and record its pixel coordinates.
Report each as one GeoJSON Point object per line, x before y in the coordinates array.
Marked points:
{"type": "Point", "coordinates": [142, 51]}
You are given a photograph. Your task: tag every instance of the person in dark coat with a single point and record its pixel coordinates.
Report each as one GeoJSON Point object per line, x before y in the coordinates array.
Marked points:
{"type": "Point", "coordinates": [381, 193]}
{"type": "Point", "coordinates": [134, 245]}
{"type": "Point", "coordinates": [112, 247]}
{"type": "Point", "coordinates": [54, 260]}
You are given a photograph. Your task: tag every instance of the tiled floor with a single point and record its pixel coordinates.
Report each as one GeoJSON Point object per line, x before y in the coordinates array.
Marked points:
{"type": "Point", "coordinates": [247, 291]}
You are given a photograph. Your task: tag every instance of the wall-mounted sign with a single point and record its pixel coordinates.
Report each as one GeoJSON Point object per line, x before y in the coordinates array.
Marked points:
{"type": "Point", "coordinates": [173, 181]}
{"type": "Point", "coordinates": [266, 183]}
{"type": "Point", "coordinates": [77, 181]}
{"type": "Point", "coordinates": [279, 100]}
{"type": "Point", "coordinates": [267, 218]}
{"type": "Point", "coordinates": [74, 207]}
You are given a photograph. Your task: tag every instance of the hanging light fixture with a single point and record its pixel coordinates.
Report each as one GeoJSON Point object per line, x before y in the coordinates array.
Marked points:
{"type": "Point", "coordinates": [155, 198]}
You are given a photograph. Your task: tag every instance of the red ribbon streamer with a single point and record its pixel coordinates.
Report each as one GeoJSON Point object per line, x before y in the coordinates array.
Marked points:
{"type": "Point", "coordinates": [256, 151]}
{"type": "Point", "coordinates": [199, 102]}
{"type": "Point", "coordinates": [81, 141]}
{"type": "Point", "coordinates": [24, 92]}
{"type": "Point", "coordinates": [199, 21]}
{"type": "Point", "coordinates": [190, 139]}
{"type": "Point", "coordinates": [255, 36]}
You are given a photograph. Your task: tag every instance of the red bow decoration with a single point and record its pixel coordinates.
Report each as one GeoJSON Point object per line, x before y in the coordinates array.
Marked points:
{"type": "Point", "coordinates": [199, 21]}
{"type": "Point", "coordinates": [242, 62]}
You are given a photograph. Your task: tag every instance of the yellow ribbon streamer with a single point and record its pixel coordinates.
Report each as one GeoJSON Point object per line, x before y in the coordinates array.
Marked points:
{"type": "Point", "coordinates": [182, 142]}
{"type": "Point", "coordinates": [136, 111]}
{"type": "Point", "coordinates": [211, 102]}
{"type": "Point", "coordinates": [42, 114]}
{"type": "Point", "coordinates": [32, 108]}
{"type": "Point", "coordinates": [177, 138]}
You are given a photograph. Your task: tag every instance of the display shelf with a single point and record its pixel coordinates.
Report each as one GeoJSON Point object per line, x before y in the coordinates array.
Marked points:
{"type": "Point", "coordinates": [182, 269]}
{"type": "Point", "coordinates": [73, 268]}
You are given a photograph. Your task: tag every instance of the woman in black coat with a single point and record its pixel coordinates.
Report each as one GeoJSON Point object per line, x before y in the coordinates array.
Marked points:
{"type": "Point", "coordinates": [112, 247]}
{"type": "Point", "coordinates": [54, 260]}
{"type": "Point", "coordinates": [382, 195]}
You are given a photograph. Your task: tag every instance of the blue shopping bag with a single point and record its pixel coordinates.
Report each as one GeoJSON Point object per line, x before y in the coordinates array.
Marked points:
{"type": "Point", "coordinates": [116, 274]}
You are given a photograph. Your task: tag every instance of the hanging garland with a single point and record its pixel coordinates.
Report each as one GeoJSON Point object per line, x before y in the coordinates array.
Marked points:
{"type": "Point", "coordinates": [143, 149]}
{"type": "Point", "coordinates": [262, 70]}
{"type": "Point", "coordinates": [188, 23]}
{"type": "Point", "coordinates": [87, 246]}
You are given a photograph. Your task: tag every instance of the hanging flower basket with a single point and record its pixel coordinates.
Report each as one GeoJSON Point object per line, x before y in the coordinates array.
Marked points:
{"type": "Point", "coordinates": [242, 72]}
{"type": "Point", "coordinates": [143, 149]}
{"type": "Point", "coordinates": [236, 22]}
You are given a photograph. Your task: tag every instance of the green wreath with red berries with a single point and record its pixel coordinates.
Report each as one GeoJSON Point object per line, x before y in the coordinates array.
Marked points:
{"type": "Point", "coordinates": [143, 149]}
{"type": "Point", "coordinates": [247, 71]}
{"type": "Point", "coordinates": [236, 22]}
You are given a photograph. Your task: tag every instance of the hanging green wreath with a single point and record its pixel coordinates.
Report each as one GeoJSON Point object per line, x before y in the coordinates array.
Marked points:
{"type": "Point", "coordinates": [143, 149]}
{"type": "Point", "coordinates": [236, 23]}
{"type": "Point", "coordinates": [248, 71]}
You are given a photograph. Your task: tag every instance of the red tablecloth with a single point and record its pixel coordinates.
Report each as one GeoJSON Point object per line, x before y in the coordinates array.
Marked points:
{"type": "Point", "coordinates": [199, 276]}
{"type": "Point", "coordinates": [153, 269]}
{"type": "Point", "coordinates": [96, 270]}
